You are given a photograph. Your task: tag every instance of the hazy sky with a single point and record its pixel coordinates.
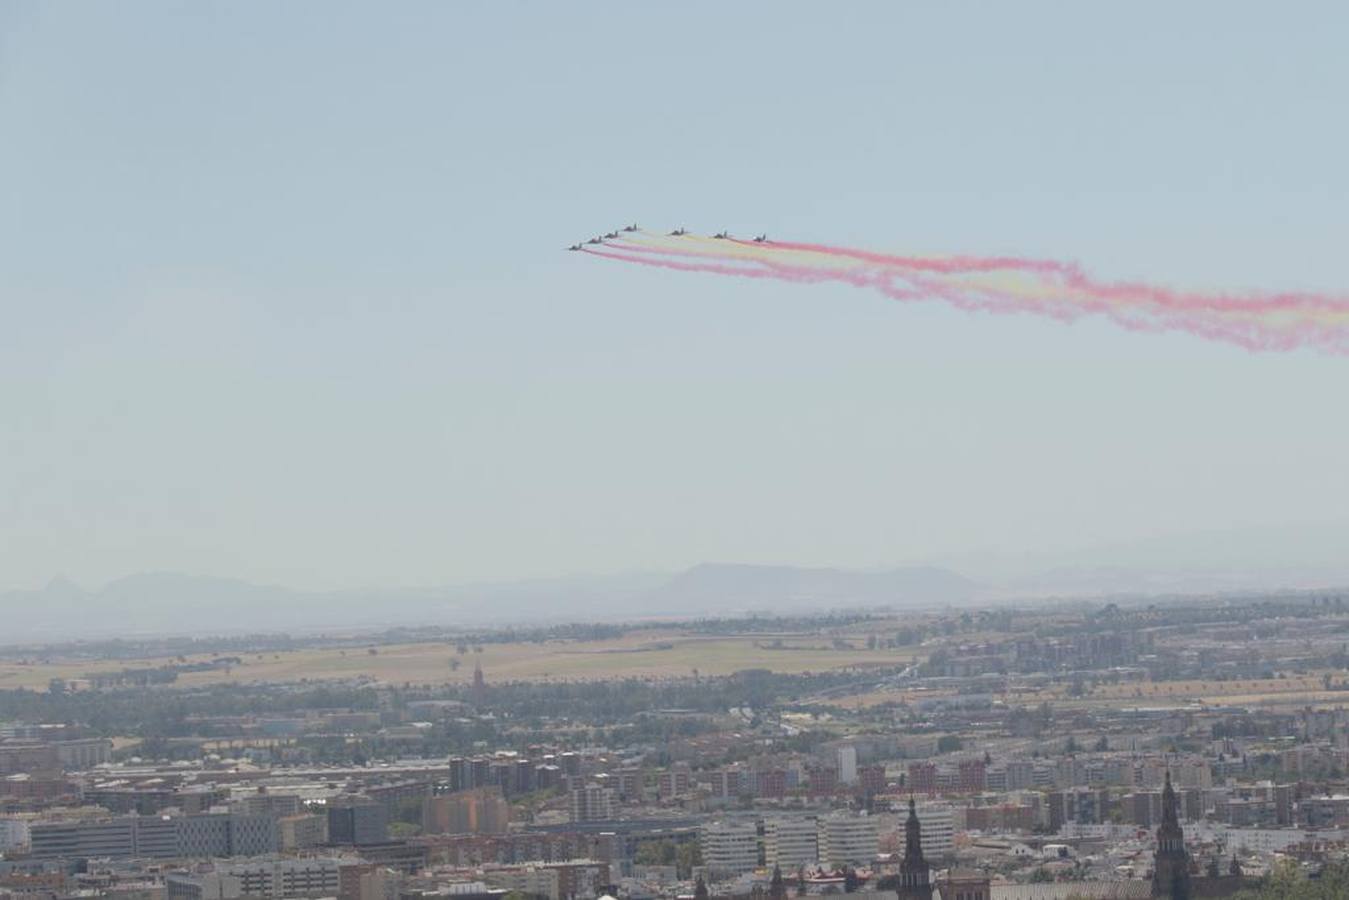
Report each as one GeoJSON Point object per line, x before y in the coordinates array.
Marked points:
{"type": "Point", "coordinates": [283, 295]}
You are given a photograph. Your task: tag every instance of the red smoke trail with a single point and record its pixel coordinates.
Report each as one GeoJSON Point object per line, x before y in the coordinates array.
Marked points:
{"type": "Point", "coordinates": [943, 265]}
{"type": "Point", "coordinates": [1246, 333]}
{"type": "Point", "coordinates": [879, 278]}
{"type": "Point", "coordinates": [1070, 278]}
{"type": "Point", "coordinates": [714, 268]}
{"type": "Point", "coordinates": [749, 268]}
{"type": "Point", "coordinates": [946, 265]}
{"type": "Point", "coordinates": [799, 274]}
{"type": "Point", "coordinates": [881, 281]}
{"type": "Point", "coordinates": [1253, 303]}
{"type": "Point", "coordinates": [1074, 278]}
{"type": "Point", "coordinates": [1253, 321]}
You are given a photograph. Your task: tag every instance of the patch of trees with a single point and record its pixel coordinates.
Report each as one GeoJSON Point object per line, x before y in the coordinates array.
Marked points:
{"type": "Point", "coordinates": [683, 855]}
{"type": "Point", "coordinates": [165, 712]}
{"type": "Point", "coordinates": [1288, 882]}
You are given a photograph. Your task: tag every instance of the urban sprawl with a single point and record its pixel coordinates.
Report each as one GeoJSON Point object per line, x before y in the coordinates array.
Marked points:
{"type": "Point", "coordinates": [1183, 747]}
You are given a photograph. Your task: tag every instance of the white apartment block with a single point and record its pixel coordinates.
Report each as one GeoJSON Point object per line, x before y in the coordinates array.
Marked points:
{"type": "Point", "coordinates": [938, 829]}
{"type": "Point", "coordinates": [730, 847]}
{"type": "Point", "coordinates": [847, 840]}
{"type": "Point", "coordinates": [791, 842]}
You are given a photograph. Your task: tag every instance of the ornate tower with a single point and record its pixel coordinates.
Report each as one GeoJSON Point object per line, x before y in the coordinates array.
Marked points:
{"type": "Point", "coordinates": [915, 875]}
{"type": "Point", "coordinates": [479, 684]}
{"type": "Point", "coordinates": [1171, 866]}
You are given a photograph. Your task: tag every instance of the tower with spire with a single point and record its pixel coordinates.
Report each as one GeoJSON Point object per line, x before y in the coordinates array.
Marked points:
{"type": "Point", "coordinates": [479, 684]}
{"type": "Point", "coordinates": [915, 875]}
{"type": "Point", "coordinates": [1171, 865]}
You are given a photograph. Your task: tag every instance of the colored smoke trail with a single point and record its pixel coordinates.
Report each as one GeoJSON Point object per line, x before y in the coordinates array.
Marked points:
{"type": "Point", "coordinates": [1006, 285]}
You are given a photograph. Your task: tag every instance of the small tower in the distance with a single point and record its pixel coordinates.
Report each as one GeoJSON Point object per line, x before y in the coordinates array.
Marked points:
{"type": "Point", "coordinates": [479, 684]}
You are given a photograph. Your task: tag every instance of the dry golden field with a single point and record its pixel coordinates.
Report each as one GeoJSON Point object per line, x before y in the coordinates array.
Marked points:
{"type": "Point", "coordinates": [638, 653]}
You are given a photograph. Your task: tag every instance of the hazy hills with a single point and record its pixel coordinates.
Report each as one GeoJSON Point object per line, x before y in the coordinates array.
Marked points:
{"type": "Point", "coordinates": [156, 603]}
{"type": "Point", "coordinates": [173, 603]}
{"type": "Point", "coordinates": [711, 587]}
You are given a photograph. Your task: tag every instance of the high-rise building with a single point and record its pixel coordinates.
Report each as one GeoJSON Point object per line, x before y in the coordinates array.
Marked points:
{"type": "Point", "coordinates": [27, 757]}
{"type": "Point", "coordinates": [822, 780]}
{"type": "Point", "coordinates": [202, 886]}
{"type": "Point", "coordinates": [938, 829]}
{"type": "Point", "coordinates": [846, 757]}
{"type": "Point", "coordinates": [570, 762]}
{"type": "Point", "coordinates": [197, 836]}
{"type": "Point", "coordinates": [481, 811]}
{"type": "Point", "coordinates": [771, 783]}
{"type": "Point", "coordinates": [501, 774]}
{"type": "Point", "coordinates": [266, 803]}
{"type": "Point", "coordinates": [848, 840]}
{"type": "Point", "coordinates": [13, 834]}
{"type": "Point", "coordinates": [1086, 806]}
{"type": "Point", "coordinates": [791, 842]}
{"type": "Point", "coordinates": [461, 774]}
{"type": "Point", "coordinates": [358, 822]}
{"type": "Point", "coordinates": [730, 847]}
{"type": "Point", "coordinates": [972, 776]}
{"type": "Point", "coordinates": [524, 777]}
{"type": "Point", "coordinates": [592, 803]}
{"type": "Point", "coordinates": [1020, 774]}
{"type": "Point", "coordinates": [83, 753]}
{"type": "Point", "coordinates": [302, 831]}
{"type": "Point", "coordinates": [630, 785]}
{"type": "Point", "coordinates": [1171, 864]}
{"type": "Point", "coordinates": [1143, 808]}
{"type": "Point", "coordinates": [547, 776]}
{"type": "Point", "coordinates": [285, 877]}
{"type": "Point", "coordinates": [675, 782]}
{"type": "Point", "coordinates": [112, 838]}
{"type": "Point", "coordinates": [922, 778]}
{"type": "Point", "coordinates": [871, 780]}
{"type": "Point", "coordinates": [1283, 803]}
{"type": "Point", "coordinates": [724, 782]}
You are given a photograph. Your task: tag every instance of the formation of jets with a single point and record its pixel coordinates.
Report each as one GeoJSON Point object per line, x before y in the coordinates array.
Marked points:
{"type": "Point", "coordinates": [607, 236]}
{"type": "Point", "coordinates": [678, 232]}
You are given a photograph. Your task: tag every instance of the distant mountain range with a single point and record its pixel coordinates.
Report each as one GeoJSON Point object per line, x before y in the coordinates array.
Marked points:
{"type": "Point", "coordinates": [744, 588]}
{"type": "Point", "coordinates": [1118, 581]}
{"type": "Point", "coordinates": [170, 603]}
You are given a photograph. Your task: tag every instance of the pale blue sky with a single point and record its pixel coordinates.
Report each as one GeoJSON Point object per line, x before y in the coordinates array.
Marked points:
{"type": "Point", "coordinates": [283, 295]}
